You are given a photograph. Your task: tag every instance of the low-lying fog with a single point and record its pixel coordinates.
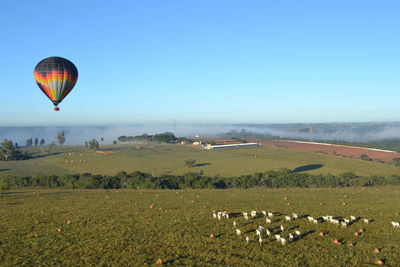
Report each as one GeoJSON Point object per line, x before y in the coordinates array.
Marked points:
{"type": "Point", "coordinates": [359, 132]}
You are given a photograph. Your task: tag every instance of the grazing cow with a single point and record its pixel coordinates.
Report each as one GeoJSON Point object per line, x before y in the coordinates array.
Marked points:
{"type": "Point", "coordinates": [267, 220]}
{"type": "Point", "coordinates": [310, 219]}
{"type": "Point", "coordinates": [260, 240]}
{"type": "Point", "coordinates": [238, 232]}
{"type": "Point", "coordinates": [295, 217]}
{"type": "Point", "coordinates": [282, 228]}
{"type": "Point", "coordinates": [396, 224]}
{"type": "Point", "coordinates": [334, 221]}
{"type": "Point", "coordinates": [264, 213]}
{"type": "Point", "coordinates": [234, 224]}
{"type": "Point", "coordinates": [297, 232]}
{"type": "Point", "coordinates": [268, 232]}
{"type": "Point", "coordinates": [258, 232]}
{"type": "Point", "coordinates": [283, 241]}
{"type": "Point", "coordinates": [291, 237]}
{"type": "Point", "coordinates": [270, 214]}
{"type": "Point", "coordinates": [352, 218]}
{"type": "Point", "coordinates": [253, 213]}
{"type": "Point", "coordinates": [287, 218]}
{"type": "Point", "coordinates": [366, 221]}
{"type": "Point", "coordinates": [344, 224]}
{"type": "Point", "coordinates": [247, 239]}
{"type": "Point", "coordinates": [278, 238]}
{"type": "Point", "coordinates": [214, 215]}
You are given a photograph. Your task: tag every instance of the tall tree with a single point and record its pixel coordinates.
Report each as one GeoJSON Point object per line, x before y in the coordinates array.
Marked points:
{"type": "Point", "coordinates": [61, 137]}
{"type": "Point", "coordinates": [7, 149]}
{"type": "Point", "coordinates": [42, 141]}
{"type": "Point", "coordinates": [36, 141]}
{"type": "Point", "coordinates": [94, 144]}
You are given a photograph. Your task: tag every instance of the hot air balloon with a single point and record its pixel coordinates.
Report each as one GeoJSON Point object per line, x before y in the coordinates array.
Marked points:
{"type": "Point", "coordinates": [56, 77]}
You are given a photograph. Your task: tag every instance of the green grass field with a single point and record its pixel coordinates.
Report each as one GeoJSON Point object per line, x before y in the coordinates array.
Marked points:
{"type": "Point", "coordinates": [136, 227]}
{"type": "Point", "coordinates": [159, 159]}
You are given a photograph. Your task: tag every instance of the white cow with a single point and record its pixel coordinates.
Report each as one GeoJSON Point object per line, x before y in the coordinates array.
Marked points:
{"type": "Point", "coordinates": [278, 238]}
{"type": "Point", "coordinates": [264, 213]}
{"type": "Point", "coordinates": [396, 224]}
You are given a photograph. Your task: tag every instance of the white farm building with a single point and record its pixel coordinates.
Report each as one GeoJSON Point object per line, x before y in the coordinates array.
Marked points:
{"type": "Point", "coordinates": [240, 145]}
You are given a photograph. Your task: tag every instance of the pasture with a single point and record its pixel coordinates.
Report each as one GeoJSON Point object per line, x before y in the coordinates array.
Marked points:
{"type": "Point", "coordinates": [138, 227]}
{"type": "Point", "coordinates": [160, 159]}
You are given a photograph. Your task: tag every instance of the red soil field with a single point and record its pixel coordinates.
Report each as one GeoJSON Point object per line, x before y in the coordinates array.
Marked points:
{"type": "Point", "coordinates": [338, 150]}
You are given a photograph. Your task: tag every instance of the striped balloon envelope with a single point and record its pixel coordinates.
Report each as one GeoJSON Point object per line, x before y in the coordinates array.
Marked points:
{"type": "Point", "coordinates": [56, 77]}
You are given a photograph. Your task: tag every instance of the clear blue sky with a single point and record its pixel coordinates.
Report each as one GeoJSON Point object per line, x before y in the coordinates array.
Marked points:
{"type": "Point", "coordinates": [204, 61]}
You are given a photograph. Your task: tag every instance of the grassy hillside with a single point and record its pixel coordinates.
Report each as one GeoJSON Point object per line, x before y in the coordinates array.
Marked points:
{"type": "Point", "coordinates": [158, 159]}
{"type": "Point", "coordinates": [137, 227]}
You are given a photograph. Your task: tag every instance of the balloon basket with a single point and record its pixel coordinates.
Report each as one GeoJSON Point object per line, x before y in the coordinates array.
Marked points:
{"type": "Point", "coordinates": [56, 109]}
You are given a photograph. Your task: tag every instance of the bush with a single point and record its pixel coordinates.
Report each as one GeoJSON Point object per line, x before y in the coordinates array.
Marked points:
{"type": "Point", "coordinates": [396, 162]}
{"type": "Point", "coordinates": [190, 162]}
{"type": "Point", "coordinates": [365, 157]}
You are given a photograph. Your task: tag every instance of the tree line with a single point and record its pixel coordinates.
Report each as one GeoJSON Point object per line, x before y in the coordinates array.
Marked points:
{"type": "Point", "coordinates": [166, 137]}
{"type": "Point", "coordinates": [192, 180]}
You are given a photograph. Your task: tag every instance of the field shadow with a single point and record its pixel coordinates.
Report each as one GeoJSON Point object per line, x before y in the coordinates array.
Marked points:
{"type": "Point", "coordinates": [33, 156]}
{"type": "Point", "coordinates": [172, 261]}
{"type": "Point", "coordinates": [309, 167]}
{"type": "Point", "coordinates": [293, 227]}
{"type": "Point", "coordinates": [201, 164]}
{"type": "Point", "coordinates": [307, 233]}
{"type": "Point", "coordinates": [235, 214]}
{"type": "Point", "coordinates": [12, 193]}
{"type": "Point", "coordinates": [303, 235]}
{"type": "Point", "coordinates": [3, 170]}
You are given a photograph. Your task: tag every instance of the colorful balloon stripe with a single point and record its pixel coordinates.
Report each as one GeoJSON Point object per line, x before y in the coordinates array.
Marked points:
{"type": "Point", "coordinates": [56, 77]}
